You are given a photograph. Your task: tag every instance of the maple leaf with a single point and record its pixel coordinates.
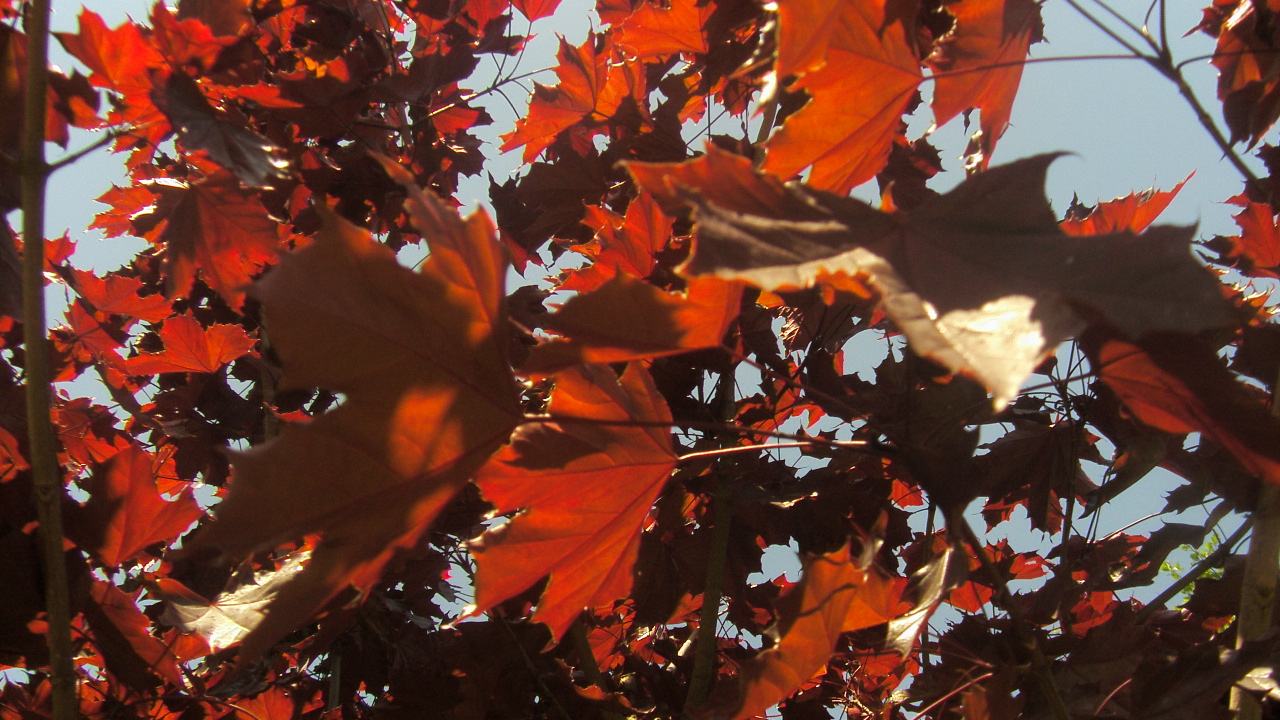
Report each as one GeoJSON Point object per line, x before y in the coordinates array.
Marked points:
{"type": "Point", "coordinates": [122, 634]}
{"type": "Point", "coordinates": [235, 612]}
{"type": "Point", "coordinates": [978, 64]}
{"type": "Point", "coordinates": [191, 347]}
{"type": "Point", "coordinates": [857, 63]}
{"type": "Point", "coordinates": [981, 280]}
{"type": "Point", "coordinates": [623, 244]}
{"type": "Point", "coordinates": [126, 513]}
{"type": "Point", "coordinates": [118, 295]}
{"type": "Point", "coordinates": [421, 360]}
{"type": "Point", "coordinates": [653, 31]}
{"type": "Point", "coordinates": [584, 491]}
{"type": "Point", "coordinates": [1258, 244]}
{"type": "Point", "coordinates": [12, 461]}
{"type": "Point", "coordinates": [1133, 212]}
{"type": "Point", "coordinates": [536, 9]}
{"type": "Point", "coordinates": [217, 227]}
{"type": "Point", "coordinates": [119, 58]}
{"type": "Point", "coordinates": [593, 84]}
{"type": "Point", "coordinates": [1248, 71]}
{"type": "Point", "coordinates": [1176, 383]}
{"type": "Point", "coordinates": [837, 594]}
{"type": "Point", "coordinates": [627, 319]}
{"type": "Point", "coordinates": [253, 159]}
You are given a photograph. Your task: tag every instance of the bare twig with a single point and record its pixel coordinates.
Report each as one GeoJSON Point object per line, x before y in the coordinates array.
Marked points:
{"type": "Point", "coordinates": [1021, 627]}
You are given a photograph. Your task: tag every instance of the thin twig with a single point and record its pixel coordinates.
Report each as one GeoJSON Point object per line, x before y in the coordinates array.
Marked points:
{"type": "Point", "coordinates": [1021, 627]}
{"type": "Point", "coordinates": [34, 174]}
{"type": "Point", "coordinates": [765, 447]}
{"type": "Point", "coordinates": [953, 693]}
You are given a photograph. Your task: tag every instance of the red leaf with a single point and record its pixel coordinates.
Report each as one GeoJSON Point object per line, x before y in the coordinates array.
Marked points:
{"type": "Point", "coordinates": [118, 294]}
{"type": "Point", "coordinates": [123, 635]}
{"type": "Point", "coordinates": [1133, 212]}
{"type": "Point", "coordinates": [623, 244]}
{"type": "Point", "coordinates": [120, 59]}
{"type": "Point", "coordinates": [191, 347]}
{"type": "Point", "coordinates": [125, 512]}
{"type": "Point", "coordinates": [536, 9]}
{"type": "Point", "coordinates": [979, 63]}
{"type": "Point", "coordinates": [1176, 383]}
{"type": "Point", "coordinates": [11, 460]}
{"type": "Point", "coordinates": [222, 230]}
{"type": "Point", "coordinates": [584, 490]}
{"type": "Point", "coordinates": [857, 62]}
{"type": "Point", "coordinates": [627, 319]}
{"type": "Point", "coordinates": [653, 31]}
{"type": "Point", "coordinates": [837, 594]}
{"type": "Point", "coordinates": [1258, 244]}
{"type": "Point", "coordinates": [592, 84]}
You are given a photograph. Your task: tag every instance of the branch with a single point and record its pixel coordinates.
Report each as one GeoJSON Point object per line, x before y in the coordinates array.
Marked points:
{"type": "Point", "coordinates": [47, 477]}
{"type": "Point", "coordinates": [1039, 663]}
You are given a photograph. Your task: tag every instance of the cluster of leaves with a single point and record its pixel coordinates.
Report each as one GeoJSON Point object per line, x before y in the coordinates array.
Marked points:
{"type": "Point", "coordinates": [310, 442]}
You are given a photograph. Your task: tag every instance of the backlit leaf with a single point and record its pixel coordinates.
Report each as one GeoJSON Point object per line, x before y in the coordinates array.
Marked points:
{"type": "Point", "coordinates": [837, 594]}
{"type": "Point", "coordinates": [979, 63]}
{"type": "Point", "coordinates": [191, 347]}
{"type": "Point", "coordinates": [583, 489]}
{"type": "Point", "coordinates": [429, 398]}
{"type": "Point", "coordinates": [627, 319]}
{"type": "Point", "coordinates": [126, 513]}
{"type": "Point", "coordinates": [981, 280]}
{"type": "Point", "coordinates": [861, 70]}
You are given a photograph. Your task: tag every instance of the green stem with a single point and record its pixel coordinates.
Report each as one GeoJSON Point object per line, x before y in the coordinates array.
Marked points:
{"type": "Point", "coordinates": [705, 647]}
{"type": "Point", "coordinates": [586, 658]}
{"type": "Point", "coordinates": [34, 173]}
{"type": "Point", "coordinates": [1210, 561]}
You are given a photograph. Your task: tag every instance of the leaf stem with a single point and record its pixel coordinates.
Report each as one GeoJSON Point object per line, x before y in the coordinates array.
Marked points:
{"type": "Point", "coordinates": [586, 658]}
{"type": "Point", "coordinates": [705, 647]}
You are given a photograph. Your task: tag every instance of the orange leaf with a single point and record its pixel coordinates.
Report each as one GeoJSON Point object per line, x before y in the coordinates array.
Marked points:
{"type": "Point", "coordinates": [1176, 383]}
{"type": "Point", "coordinates": [119, 58]}
{"type": "Point", "coordinates": [118, 295]}
{"type": "Point", "coordinates": [123, 635]}
{"type": "Point", "coordinates": [592, 84]}
{"type": "Point", "coordinates": [222, 230]}
{"type": "Point", "coordinates": [1133, 212]}
{"type": "Point", "coordinates": [623, 244]}
{"type": "Point", "coordinates": [837, 594]}
{"type": "Point", "coordinates": [653, 31]}
{"type": "Point", "coordinates": [979, 63]}
{"type": "Point", "coordinates": [126, 513]}
{"type": "Point", "coordinates": [861, 71]}
{"type": "Point", "coordinates": [1258, 244]}
{"type": "Point", "coordinates": [191, 347]}
{"type": "Point", "coordinates": [429, 396]}
{"type": "Point", "coordinates": [719, 176]}
{"type": "Point", "coordinates": [536, 9]}
{"type": "Point", "coordinates": [584, 490]}
{"type": "Point", "coordinates": [627, 319]}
